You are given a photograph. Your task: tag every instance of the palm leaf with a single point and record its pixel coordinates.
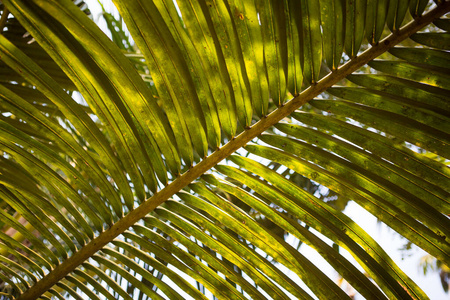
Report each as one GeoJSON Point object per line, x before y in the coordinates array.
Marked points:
{"type": "Point", "coordinates": [177, 167]}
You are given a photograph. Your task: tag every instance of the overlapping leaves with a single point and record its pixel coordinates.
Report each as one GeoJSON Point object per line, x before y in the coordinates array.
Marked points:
{"type": "Point", "coordinates": [70, 169]}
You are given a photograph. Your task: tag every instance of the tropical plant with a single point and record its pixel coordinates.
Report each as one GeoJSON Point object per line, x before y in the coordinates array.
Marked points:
{"type": "Point", "coordinates": [178, 165]}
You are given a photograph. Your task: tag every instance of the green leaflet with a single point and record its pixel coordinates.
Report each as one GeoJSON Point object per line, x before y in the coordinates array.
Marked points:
{"type": "Point", "coordinates": [425, 137]}
{"type": "Point", "coordinates": [272, 32]}
{"type": "Point", "coordinates": [56, 185]}
{"type": "Point", "coordinates": [206, 240]}
{"type": "Point", "coordinates": [221, 27]}
{"type": "Point", "coordinates": [11, 283]}
{"type": "Point", "coordinates": [8, 270]}
{"type": "Point", "coordinates": [321, 217]}
{"type": "Point", "coordinates": [394, 199]}
{"type": "Point", "coordinates": [311, 40]}
{"type": "Point", "coordinates": [12, 135]}
{"type": "Point", "coordinates": [15, 32]}
{"type": "Point", "coordinates": [199, 27]}
{"type": "Point", "coordinates": [396, 13]}
{"type": "Point", "coordinates": [192, 267]}
{"type": "Point", "coordinates": [412, 162]}
{"type": "Point", "coordinates": [23, 200]}
{"type": "Point", "coordinates": [55, 133]}
{"type": "Point", "coordinates": [431, 98]}
{"type": "Point", "coordinates": [128, 84]}
{"type": "Point", "coordinates": [94, 283]}
{"type": "Point", "coordinates": [164, 59]}
{"type": "Point", "coordinates": [444, 24]}
{"type": "Point", "coordinates": [293, 63]}
{"type": "Point", "coordinates": [105, 278]}
{"type": "Point", "coordinates": [20, 268]}
{"type": "Point", "coordinates": [249, 229]}
{"type": "Point", "coordinates": [433, 39]}
{"type": "Point", "coordinates": [246, 258]}
{"type": "Point", "coordinates": [177, 279]}
{"type": "Point", "coordinates": [333, 24]}
{"type": "Point", "coordinates": [194, 64]}
{"type": "Point", "coordinates": [376, 14]}
{"type": "Point", "coordinates": [10, 244]}
{"type": "Point", "coordinates": [427, 192]}
{"type": "Point", "coordinates": [196, 253]}
{"type": "Point", "coordinates": [293, 227]}
{"type": "Point", "coordinates": [417, 7]}
{"type": "Point", "coordinates": [11, 222]}
{"type": "Point", "coordinates": [116, 266]}
{"type": "Point", "coordinates": [355, 18]}
{"type": "Point", "coordinates": [68, 289]}
{"type": "Point", "coordinates": [121, 259]}
{"type": "Point", "coordinates": [249, 33]}
{"type": "Point", "coordinates": [82, 287]}
{"type": "Point", "coordinates": [39, 78]}
{"type": "Point", "coordinates": [37, 219]}
{"type": "Point", "coordinates": [391, 103]}
{"type": "Point", "coordinates": [430, 57]}
{"type": "Point", "coordinates": [100, 95]}
{"type": "Point", "coordinates": [434, 76]}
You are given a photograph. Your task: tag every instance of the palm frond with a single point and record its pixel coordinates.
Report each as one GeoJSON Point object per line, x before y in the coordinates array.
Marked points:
{"type": "Point", "coordinates": [178, 166]}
